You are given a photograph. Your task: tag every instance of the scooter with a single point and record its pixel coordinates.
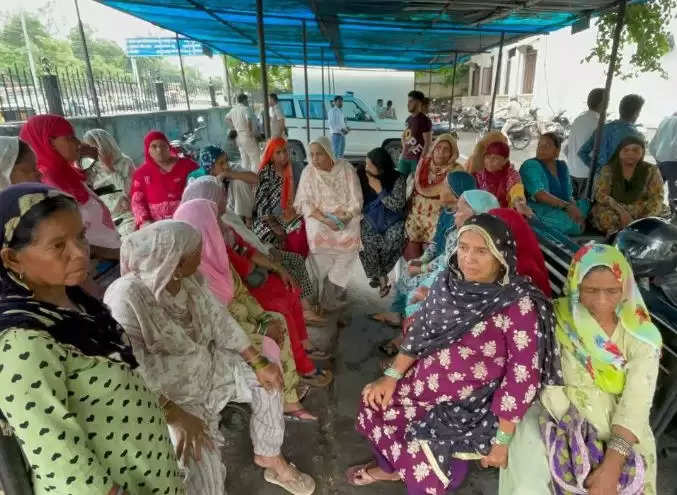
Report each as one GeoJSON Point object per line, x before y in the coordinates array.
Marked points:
{"type": "Point", "coordinates": [186, 146]}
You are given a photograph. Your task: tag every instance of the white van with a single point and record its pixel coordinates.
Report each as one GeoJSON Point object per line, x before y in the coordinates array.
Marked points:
{"type": "Point", "coordinates": [367, 131]}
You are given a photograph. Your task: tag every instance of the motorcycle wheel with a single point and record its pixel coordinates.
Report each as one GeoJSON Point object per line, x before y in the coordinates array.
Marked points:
{"type": "Point", "coordinates": [521, 140]}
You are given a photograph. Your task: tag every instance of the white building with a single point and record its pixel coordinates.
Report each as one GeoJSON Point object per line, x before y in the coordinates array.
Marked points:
{"type": "Point", "coordinates": [548, 72]}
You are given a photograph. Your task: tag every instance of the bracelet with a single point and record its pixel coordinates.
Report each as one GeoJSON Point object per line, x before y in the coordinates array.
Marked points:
{"type": "Point", "coordinates": [393, 373]}
{"type": "Point", "coordinates": [259, 363]}
{"type": "Point", "coordinates": [502, 438]}
{"type": "Point", "coordinates": [620, 445]}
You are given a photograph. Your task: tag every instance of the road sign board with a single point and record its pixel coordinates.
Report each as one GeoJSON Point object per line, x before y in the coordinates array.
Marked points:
{"type": "Point", "coordinates": [162, 47]}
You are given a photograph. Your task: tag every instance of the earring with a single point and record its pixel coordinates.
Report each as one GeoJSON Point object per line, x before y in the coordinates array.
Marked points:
{"type": "Point", "coordinates": [21, 276]}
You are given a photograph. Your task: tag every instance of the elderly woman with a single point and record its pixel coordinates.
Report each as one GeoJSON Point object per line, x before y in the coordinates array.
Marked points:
{"type": "Point", "coordinates": [192, 352]}
{"type": "Point", "coordinates": [467, 371]}
{"type": "Point", "coordinates": [214, 162]}
{"type": "Point", "coordinates": [228, 287]}
{"type": "Point", "coordinates": [158, 183]}
{"type": "Point", "coordinates": [57, 149]}
{"type": "Point", "coordinates": [382, 226]}
{"type": "Point", "coordinates": [593, 431]}
{"type": "Point", "coordinates": [548, 186]}
{"type": "Point", "coordinates": [69, 380]}
{"type": "Point", "coordinates": [429, 178]}
{"type": "Point", "coordinates": [268, 281]}
{"type": "Point", "coordinates": [111, 171]}
{"type": "Point", "coordinates": [330, 199]}
{"type": "Point", "coordinates": [627, 188]}
{"type": "Point", "coordinates": [475, 161]}
{"type": "Point", "coordinates": [17, 162]}
{"type": "Point", "coordinates": [275, 220]}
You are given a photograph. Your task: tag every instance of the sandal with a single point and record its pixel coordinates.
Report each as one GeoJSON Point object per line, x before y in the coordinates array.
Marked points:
{"type": "Point", "coordinates": [389, 349]}
{"type": "Point", "coordinates": [320, 378]}
{"type": "Point", "coordinates": [300, 484]}
{"type": "Point", "coordinates": [302, 390]}
{"type": "Point", "coordinates": [300, 416]}
{"type": "Point", "coordinates": [359, 475]}
{"type": "Point", "coordinates": [318, 355]}
{"type": "Point", "coordinates": [384, 290]}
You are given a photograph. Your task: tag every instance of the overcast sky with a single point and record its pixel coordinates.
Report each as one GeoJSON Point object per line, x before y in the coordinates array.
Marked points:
{"type": "Point", "coordinates": [108, 24]}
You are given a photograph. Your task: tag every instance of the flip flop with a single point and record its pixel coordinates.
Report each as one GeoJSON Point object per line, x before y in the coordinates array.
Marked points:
{"type": "Point", "coordinates": [321, 378]}
{"type": "Point", "coordinates": [318, 355]}
{"type": "Point", "coordinates": [300, 416]}
{"type": "Point", "coordinates": [301, 484]}
{"type": "Point", "coordinates": [372, 316]}
{"type": "Point", "coordinates": [302, 391]}
{"type": "Point", "coordinates": [359, 475]}
{"type": "Point", "coordinates": [389, 349]}
{"type": "Point", "coordinates": [384, 291]}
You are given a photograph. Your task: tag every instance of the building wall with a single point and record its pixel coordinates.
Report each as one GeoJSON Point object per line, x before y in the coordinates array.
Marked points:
{"type": "Point", "coordinates": [562, 80]}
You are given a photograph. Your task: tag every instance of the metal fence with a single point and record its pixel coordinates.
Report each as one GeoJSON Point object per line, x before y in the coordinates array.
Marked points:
{"type": "Point", "coordinates": [22, 96]}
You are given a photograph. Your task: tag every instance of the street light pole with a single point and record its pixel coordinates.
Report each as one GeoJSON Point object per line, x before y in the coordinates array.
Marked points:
{"type": "Point", "coordinates": [264, 67]}
{"type": "Point", "coordinates": [90, 73]}
{"type": "Point", "coordinates": [497, 82]}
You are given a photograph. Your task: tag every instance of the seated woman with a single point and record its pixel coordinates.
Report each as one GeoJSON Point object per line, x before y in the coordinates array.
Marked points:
{"type": "Point", "coordinates": [228, 287]}
{"type": "Point", "coordinates": [111, 170]}
{"type": "Point", "coordinates": [501, 179]}
{"type": "Point", "coordinates": [214, 162]}
{"type": "Point", "coordinates": [610, 353]}
{"type": "Point", "coordinates": [268, 281]}
{"type": "Point", "coordinates": [467, 202]}
{"type": "Point", "coordinates": [17, 162]}
{"type": "Point", "coordinates": [330, 199]}
{"type": "Point", "coordinates": [275, 220]}
{"type": "Point", "coordinates": [382, 226]}
{"type": "Point", "coordinates": [429, 178]}
{"type": "Point", "coordinates": [468, 369]}
{"type": "Point", "coordinates": [60, 352]}
{"type": "Point", "coordinates": [157, 185]}
{"type": "Point", "coordinates": [192, 352]}
{"type": "Point", "coordinates": [627, 188]}
{"type": "Point", "coordinates": [548, 186]}
{"type": "Point", "coordinates": [475, 162]}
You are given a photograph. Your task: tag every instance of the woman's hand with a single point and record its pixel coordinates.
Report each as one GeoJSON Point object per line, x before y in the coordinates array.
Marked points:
{"type": "Point", "coordinates": [270, 377]}
{"type": "Point", "coordinates": [275, 330]}
{"type": "Point", "coordinates": [522, 208]}
{"type": "Point", "coordinates": [575, 214]}
{"type": "Point", "coordinates": [377, 394]}
{"type": "Point", "coordinates": [288, 280]}
{"type": "Point", "coordinates": [498, 457]}
{"type": "Point", "coordinates": [419, 295]}
{"type": "Point", "coordinates": [414, 270]}
{"type": "Point", "coordinates": [626, 219]}
{"type": "Point", "coordinates": [374, 183]}
{"type": "Point", "coordinates": [191, 433]}
{"type": "Point", "coordinates": [331, 224]}
{"type": "Point", "coordinates": [603, 480]}
{"type": "Point", "coordinates": [416, 262]}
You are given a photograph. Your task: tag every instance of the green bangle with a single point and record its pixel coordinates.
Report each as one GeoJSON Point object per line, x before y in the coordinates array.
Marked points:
{"type": "Point", "coordinates": [259, 363]}
{"type": "Point", "coordinates": [503, 438]}
{"type": "Point", "coordinates": [393, 373]}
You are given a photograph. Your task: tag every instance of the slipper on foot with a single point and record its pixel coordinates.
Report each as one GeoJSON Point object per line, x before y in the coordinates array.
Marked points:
{"type": "Point", "coordinates": [300, 484]}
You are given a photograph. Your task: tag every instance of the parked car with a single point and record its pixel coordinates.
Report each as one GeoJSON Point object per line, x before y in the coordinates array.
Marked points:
{"type": "Point", "coordinates": [367, 131]}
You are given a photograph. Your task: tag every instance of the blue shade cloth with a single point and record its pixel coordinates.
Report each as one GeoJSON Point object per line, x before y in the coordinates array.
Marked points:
{"type": "Point", "coordinates": [480, 201]}
{"type": "Point", "coordinates": [612, 135]}
{"type": "Point", "coordinates": [354, 33]}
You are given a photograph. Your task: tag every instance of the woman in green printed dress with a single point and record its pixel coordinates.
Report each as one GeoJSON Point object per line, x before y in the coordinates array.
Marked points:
{"type": "Point", "coordinates": [86, 422]}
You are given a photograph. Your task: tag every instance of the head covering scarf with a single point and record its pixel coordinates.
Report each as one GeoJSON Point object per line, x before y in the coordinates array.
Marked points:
{"type": "Point", "coordinates": [530, 260]}
{"type": "Point", "coordinates": [215, 265]}
{"type": "Point", "coordinates": [579, 332]}
{"type": "Point", "coordinates": [287, 196]}
{"type": "Point", "coordinates": [459, 182]}
{"type": "Point", "coordinates": [93, 331]}
{"type": "Point", "coordinates": [104, 142]}
{"type": "Point", "coordinates": [9, 151]}
{"type": "Point", "coordinates": [205, 187]}
{"type": "Point", "coordinates": [501, 183]}
{"type": "Point", "coordinates": [150, 137]}
{"type": "Point", "coordinates": [453, 307]}
{"type": "Point", "coordinates": [498, 148]}
{"type": "Point", "coordinates": [476, 161]}
{"type": "Point", "coordinates": [429, 173]}
{"type": "Point", "coordinates": [208, 156]}
{"type": "Point", "coordinates": [480, 201]}
{"type": "Point", "coordinates": [326, 145]}
{"type": "Point", "coordinates": [628, 191]}
{"type": "Point", "coordinates": [56, 171]}
{"type": "Point", "coordinates": [153, 253]}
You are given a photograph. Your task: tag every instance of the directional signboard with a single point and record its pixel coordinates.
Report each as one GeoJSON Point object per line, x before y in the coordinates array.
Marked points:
{"type": "Point", "coordinates": [162, 47]}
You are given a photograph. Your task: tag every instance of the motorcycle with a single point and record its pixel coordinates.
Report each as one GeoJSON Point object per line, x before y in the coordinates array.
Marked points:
{"type": "Point", "coordinates": [561, 125]}
{"type": "Point", "coordinates": [186, 146]}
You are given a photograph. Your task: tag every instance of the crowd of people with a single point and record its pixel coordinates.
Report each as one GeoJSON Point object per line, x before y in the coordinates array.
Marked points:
{"type": "Point", "coordinates": [136, 303]}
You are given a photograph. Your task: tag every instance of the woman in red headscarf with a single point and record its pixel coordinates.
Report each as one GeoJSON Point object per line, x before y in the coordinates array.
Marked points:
{"type": "Point", "coordinates": [57, 151]}
{"type": "Point", "coordinates": [530, 260]}
{"type": "Point", "coordinates": [501, 179]}
{"type": "Point", "coordinates": [158, 184]}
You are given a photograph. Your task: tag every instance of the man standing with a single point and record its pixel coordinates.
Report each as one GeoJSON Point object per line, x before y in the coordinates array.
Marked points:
{"type": "Point", "coordinates": [337, 127]}
{"type": "Point", "coordinates": [242, 119]}
{"type": "Point", "coordinates": [277, 124]}
{"type": "Point", "coordinates": [614, 132]}
{"type": "Point", "coordinates": [664, 149]}
{"type": "Point", "coordinates": [389, 112]}
{"type": "Point", "coordinates": [417, 134]}
{"type": "Point", "coordinates": [513, 114]}
{"type": "Point", "coordinates": [582, 128]}
{"type": "Point", "coordinates": [380, 110]}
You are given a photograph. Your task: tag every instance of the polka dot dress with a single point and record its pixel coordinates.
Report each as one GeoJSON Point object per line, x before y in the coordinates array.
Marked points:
{"type": "Point", "coordinates": [84, 423]}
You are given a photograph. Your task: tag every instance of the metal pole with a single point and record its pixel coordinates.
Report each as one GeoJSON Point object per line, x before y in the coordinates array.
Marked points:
{"type": "Point", "coordinates": [430, 81]}
{"type": "Point", "coordinates": [31, 62]}
{"type": "Point", "coordinates": [497, 82]}
{"type": "Point", "coordinates": [305, 78]}
{"type": "Point", "coordinates": [183, 78]}
{"type": "Point", "coordinates": [620, 21]}
{"type": "Point", "coordinates": [264, 68]}
{"type": "Point", "coordinates": [324, 113]}
{"type": "Point", "coordinates": [90, 74]}
{"type": "Point", "coordinates": [453, 88]}
{"type": "Point", "coordinates": [226, 76]}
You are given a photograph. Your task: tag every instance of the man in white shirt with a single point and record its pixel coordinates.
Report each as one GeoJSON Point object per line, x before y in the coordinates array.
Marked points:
{"type": "Point", "coordinates": [243, 121]}
{"type": "Point", "coordinates": [380, 109]}
{"type": "Point", "coordinates": [337, 127]}
{"type": "Point", "coordinates": [277, 124]}
{"type": "Point", "coordinates": [582, 128]}
{"type": "Point", "coordinates": [389, 112]}
{"type": "Point", "coordinates": [513, 113]}
{"type": "Point", "coordinates": [664, 149]}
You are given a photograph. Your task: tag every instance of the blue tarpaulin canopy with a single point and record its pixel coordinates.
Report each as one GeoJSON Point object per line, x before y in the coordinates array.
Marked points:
{"type": "Point", "coordinates": [397, 34]}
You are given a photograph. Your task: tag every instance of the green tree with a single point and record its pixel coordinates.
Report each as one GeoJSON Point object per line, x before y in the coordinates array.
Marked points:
{"type": "Point", "coordinates": [247, 77]}
{"type": "Point", "coordinates": [447, 75]}
{"type": "Point", "coordinates": [647, 30]}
